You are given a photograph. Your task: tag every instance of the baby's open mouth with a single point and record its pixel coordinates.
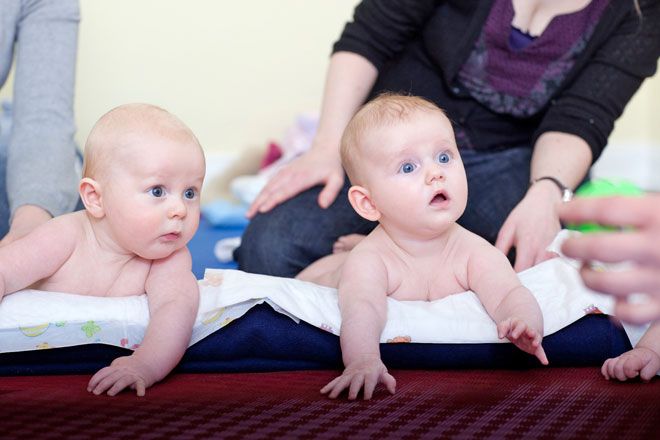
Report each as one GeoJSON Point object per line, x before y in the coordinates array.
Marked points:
{"type": "Point", "coordinates": [439, 198]}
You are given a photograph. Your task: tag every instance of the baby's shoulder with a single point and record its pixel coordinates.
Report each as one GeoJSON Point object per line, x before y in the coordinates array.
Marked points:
{"type": "Point", "coordinates": [66, 228]}
{"type": "Point", "coordinates": [375, 247]}
{"type": "Point", "coordinates": [477, 249]}
{"type": "Point", "coordinates": [370, 255]}
{"type": "Point", "coordinates": [370, 265]}
{"type": "Point", "coordinates": [365, 253]}
{"type": "Point", "coordinates": [472, 242]}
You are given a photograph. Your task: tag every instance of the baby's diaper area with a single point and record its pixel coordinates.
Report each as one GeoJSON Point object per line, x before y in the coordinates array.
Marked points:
{"type": "Point", "coordinates": [249, 322]}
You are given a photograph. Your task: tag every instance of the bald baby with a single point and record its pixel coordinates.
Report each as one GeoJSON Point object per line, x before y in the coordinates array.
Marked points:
{"type": "Point", "coordinates": [143, 174]}
{"type": "Point", "coordinates": [127, 126]}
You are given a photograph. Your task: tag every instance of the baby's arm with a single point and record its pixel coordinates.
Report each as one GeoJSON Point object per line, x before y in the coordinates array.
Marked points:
{"type": "Point", "coordinates": [173, 296]}
{"type": "Point", "coordinates": [37, 255]}
{"type": "Point", "coordinates": [642, 361]}
{"type": "Point", "coordinates": [511, 305]}
{"type": "Point", "coordinates": [363, 305]}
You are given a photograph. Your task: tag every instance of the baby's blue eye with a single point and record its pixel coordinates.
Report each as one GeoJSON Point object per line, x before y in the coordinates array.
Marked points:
{"type": "Point", "coordinates": [189, 193]}
{"type": "Point", "coordinates": [157, 191]}
{"type": "Point", "coordinates": [407, 168]}
{"type": "Point", "coordinates": [443, 158]}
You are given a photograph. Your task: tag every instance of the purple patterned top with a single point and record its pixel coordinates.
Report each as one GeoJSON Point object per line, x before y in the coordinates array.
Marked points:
{"type": "Point", "coordinates": [520, 81]}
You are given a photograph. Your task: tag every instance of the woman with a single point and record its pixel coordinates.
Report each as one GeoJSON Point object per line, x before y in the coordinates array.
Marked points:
{"type": "Point", "coordinates": [533, 88]}
{"type": "Point", "coordinates": [38, 179]}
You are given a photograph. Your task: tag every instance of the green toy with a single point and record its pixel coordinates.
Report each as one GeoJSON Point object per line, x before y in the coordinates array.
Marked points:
{"type": "Point", "coordinates": [604, 188]}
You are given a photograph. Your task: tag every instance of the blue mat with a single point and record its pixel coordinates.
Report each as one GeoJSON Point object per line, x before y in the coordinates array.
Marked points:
{"type": "Point", "coordinates": [264, 340]}
{"type": "Point", "coordinates": [202, 244]}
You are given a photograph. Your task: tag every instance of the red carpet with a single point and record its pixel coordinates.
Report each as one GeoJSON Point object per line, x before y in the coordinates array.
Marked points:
{"type": "Point", "coordinates": [540, 403]}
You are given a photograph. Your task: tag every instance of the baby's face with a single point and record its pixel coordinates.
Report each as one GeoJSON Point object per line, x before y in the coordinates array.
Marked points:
{"type": "Point", "coordinates": [414, 173]}
{"type": "Point", "coordinates": [151, 198]}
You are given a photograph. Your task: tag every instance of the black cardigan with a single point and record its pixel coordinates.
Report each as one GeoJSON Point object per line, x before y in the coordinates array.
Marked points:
{"type": "Point", "coordinates": [419, 46]}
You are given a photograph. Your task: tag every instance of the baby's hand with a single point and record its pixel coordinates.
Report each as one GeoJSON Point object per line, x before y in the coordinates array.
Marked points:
{"type": "Point", "coordinates": [124, 372]}
{"type": "Point", "coordinates": [523, 336]}
{"type": "Point", "coordinates": [639, 361]}
{"type": "Point", "coordinates": [367, 373]}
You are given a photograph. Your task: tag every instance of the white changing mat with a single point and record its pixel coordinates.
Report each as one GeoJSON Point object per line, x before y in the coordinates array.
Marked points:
{"type": "Point", "coordinates": [32, 320]}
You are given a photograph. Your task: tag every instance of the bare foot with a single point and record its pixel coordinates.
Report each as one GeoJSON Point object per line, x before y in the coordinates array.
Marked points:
{"type": "Point", "coordinates": [347, 242]}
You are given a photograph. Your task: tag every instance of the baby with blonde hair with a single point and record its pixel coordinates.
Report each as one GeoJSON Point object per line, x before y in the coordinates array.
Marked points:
{"type": "Point", "coordinates": [401, 157]}
{"type": "Point", "coordinates": [143, 173]}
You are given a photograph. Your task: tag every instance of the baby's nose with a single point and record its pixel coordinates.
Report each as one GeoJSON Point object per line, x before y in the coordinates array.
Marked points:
{"type": "Point", "coordinates": [177, 209]}
{"type": "Point", "coordinates": [434, 172]}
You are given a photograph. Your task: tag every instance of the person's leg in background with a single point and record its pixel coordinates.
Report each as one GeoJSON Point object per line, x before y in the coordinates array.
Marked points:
{"type": "Point", "coordinates": [4, 203]}
{"type": "Point", "coordinates": [497, 181]}
{"type": "Point", "coordinates": [296, 233]}
{"type": "Point", "coordinates": [5, 129]}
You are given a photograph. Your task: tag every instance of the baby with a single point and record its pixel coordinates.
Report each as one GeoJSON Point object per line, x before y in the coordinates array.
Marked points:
{"type": "Point", "coordinates": [142, 176]}
{"type": "Point", "coordinates": [642, 361]}
{"type": "Point", "coordinates": [401, 157]}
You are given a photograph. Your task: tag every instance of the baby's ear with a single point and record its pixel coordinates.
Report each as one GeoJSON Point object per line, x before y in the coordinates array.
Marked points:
{"type": "Point", "coordinates": [90, 193]}
{"type": "Point", "coordinates": [360, 199]}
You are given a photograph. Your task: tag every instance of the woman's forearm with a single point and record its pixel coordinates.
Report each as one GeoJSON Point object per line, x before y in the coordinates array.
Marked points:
{"type": "Point", "coordinates": [349, 80]}
{"type": "Point", "coordinates": [563, 156]}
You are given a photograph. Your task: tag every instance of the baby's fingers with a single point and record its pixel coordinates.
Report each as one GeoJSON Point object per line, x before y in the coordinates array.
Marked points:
{"type": "Point", "coordinates": [390, 382]}
{"type": "Point", "coordinates": [608, 368]}
{"type": "Point", "coordinates": [370, 382]}
{"type": "Point", "coordinates": [503, 328]}
{"type": "Point", "coordinates": [518, 328]}
{"type": "Point", "coordinates": [140, 387]}
{"type": "Point", "coordinates": [621, 372]}
{"type": "Point", "coordinates": [540, 355]}
{"type": "Point", "coordinates": [125, 381]}
{"type": "Point", "coordinates": [605, 370]}
{"type": "Point", "coordinates": [339, 385]}
{"type": "Point", "coordinates": [108, 379]}
{"type": "Point", "coordinates": [326, 389]}
{"type": "Point", "coordinates": [534, 337]}
{"type": "Point", "coordinates": [356, 385]}
{"type": "Point", "coordinates": [98, 377]}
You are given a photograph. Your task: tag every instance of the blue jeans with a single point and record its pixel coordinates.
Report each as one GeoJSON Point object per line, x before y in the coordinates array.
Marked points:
{"type": "Point", "coordinates": [298, 232]}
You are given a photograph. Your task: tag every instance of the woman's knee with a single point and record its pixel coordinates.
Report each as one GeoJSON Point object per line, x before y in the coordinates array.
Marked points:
{"type": "Point", "coordinates": [266, 249]}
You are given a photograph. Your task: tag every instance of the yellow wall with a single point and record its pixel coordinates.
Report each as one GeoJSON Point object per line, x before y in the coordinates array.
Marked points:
{"type": "Point", "coordinates": [640, 123]}
{"type": "Point", "coordinates": [237, 72]}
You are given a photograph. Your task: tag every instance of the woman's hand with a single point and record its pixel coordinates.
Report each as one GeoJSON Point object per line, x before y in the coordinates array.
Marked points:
{"type": "Point", "coordinates": [318, 166]}
{"type": "Point", "coordinates": [637, 243]}
{"type": "Point", "coordinates": [531, 226]}
{"type": "Point", "coordinates": [26, 219]}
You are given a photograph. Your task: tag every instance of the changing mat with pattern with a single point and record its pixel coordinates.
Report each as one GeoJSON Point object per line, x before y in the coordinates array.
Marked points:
{"type": "Point", "coordinates": [32, 320]}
